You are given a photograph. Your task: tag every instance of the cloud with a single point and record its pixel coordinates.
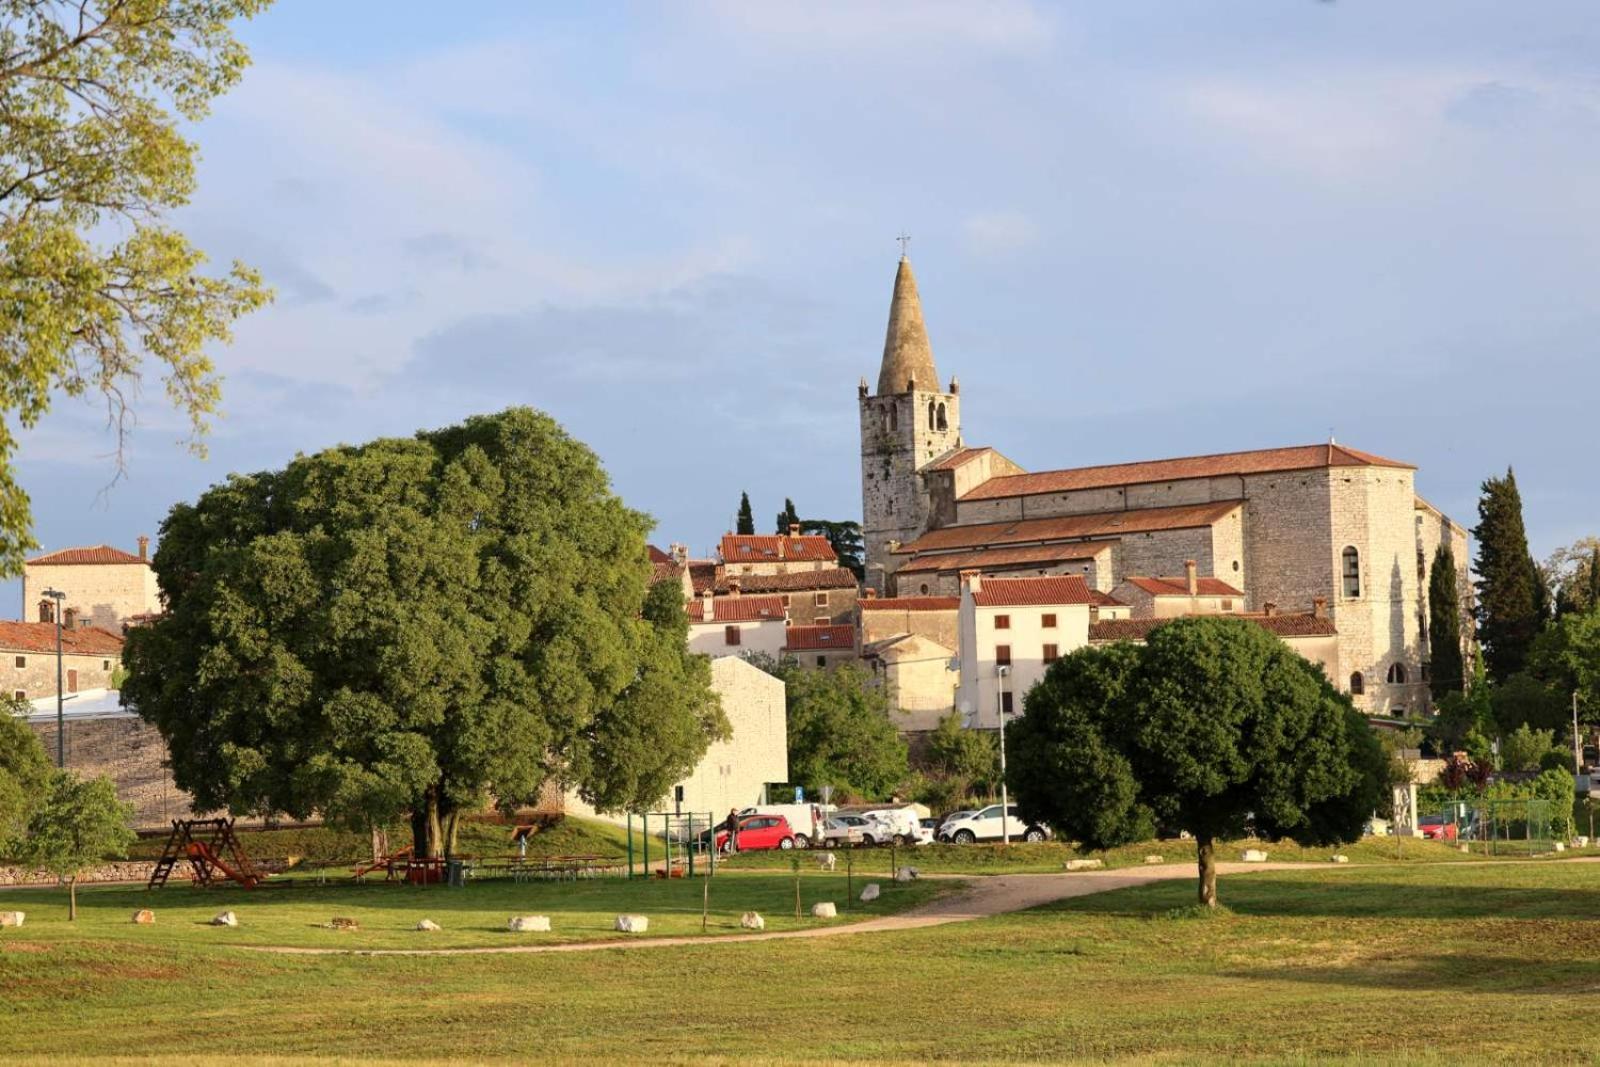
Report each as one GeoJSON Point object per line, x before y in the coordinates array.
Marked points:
{"type": "Point", "coordinates": [891, 31]}
{"type": "Point", "coordinates": [448, 250]}
{"type": "Point", "coordinates": [996, 234]}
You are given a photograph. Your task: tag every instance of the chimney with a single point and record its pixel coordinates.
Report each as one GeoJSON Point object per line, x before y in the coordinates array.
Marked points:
{"type": "Point", "coordinates": [972, 580]}
{"type": "Point", "coordinates": [794, 529]}
{"type": "Point", "coordinates": [733, 585]}
{"type": "Point", "coordinates": [679, 553]}
{"type": "Point", "coordinates": [869, 593]}
{"type": "Point", "coordinates": [1191, 572]}
{"type": "Point", "coordinates": [1319, 608]}
{"type": "Point", "coordinates": [69, 618]}
{"type": "Point", "coordinates": [707, 607]}
{"type": "Point", "coordinates": [144, 546]}
{"type": "Point", "coordinates": [1270, 609]}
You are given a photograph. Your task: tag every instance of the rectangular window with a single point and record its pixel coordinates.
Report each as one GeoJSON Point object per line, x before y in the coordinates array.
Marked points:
{"type": "Point", "coordinates": [821, 600]}
{"type": "Point", "coordinates": [1227, 605]}
{"type": "Point", "coordinates": [1002, 622]}
{"type": "Point", "coordinates": [1002, 655]}
{"type": "Point", "coordinates": [22, 661]}
{"type": "Point", "coordinates": [786, 600]}
{"type": "Point", "coordinates": [105, 665]}
{"type": "Point", "coordinates": [20, 694]}
{"type": "Point", "coordinates": [72, 681]}
{"type": "Point", "coordinates": [730, 635]}
{"type": "Point", "coordinates": [1050, 654]}
{"type": "Point", "coordinates": [1005, 703]}
{"type": "Point", "coordinates": [822, 620]}
{"type": "Point", "coordinates": [1047, 621]}
{"type": "Point", "coordinates": [822, 661]}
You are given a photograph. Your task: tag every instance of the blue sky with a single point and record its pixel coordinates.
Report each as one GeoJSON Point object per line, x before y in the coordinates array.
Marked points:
{"type": "Point", "coordinates": [1140, 230]}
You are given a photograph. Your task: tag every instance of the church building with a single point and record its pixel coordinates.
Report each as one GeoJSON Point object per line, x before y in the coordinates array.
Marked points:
{"type": "Point", "coordinates": [1321, 527]}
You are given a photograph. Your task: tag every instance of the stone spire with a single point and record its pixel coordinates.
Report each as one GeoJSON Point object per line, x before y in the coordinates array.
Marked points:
{"type": "Point", "coordinates": [906, 352]}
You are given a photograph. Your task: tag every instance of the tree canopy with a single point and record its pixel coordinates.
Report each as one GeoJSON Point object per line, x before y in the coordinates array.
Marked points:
{"type": "Point", "coordinates": [971, 758]}
{"type": "Point", "coordinates": [844, 537]}
{"type": "Point", "coordinates": [77, 823]}
{"type": "Point", "coordinates": [418, 624]}
{"type": "Point", "coordinates": [1511, 589]}
{"type": "Point", "coordinates": [1212, 725]}
{"type": "Point", "coordinates": [94, 96]}
{"type": "Point", "coordinates": [839, 729]}
{"type": "Point", "coordinates": [25, 769]}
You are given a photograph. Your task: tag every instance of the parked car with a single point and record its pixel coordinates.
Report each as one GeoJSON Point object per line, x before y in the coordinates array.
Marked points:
{"type": "Point", "coordinates": [805, 819]}
{"type": "Point", "coordinates": [942, 833]}
{"type": "Point", "coordinates": [871, 831]}
{"type": "Point", "coordinates": [985, 825]}
{"type": "Point", "coordinates": [1437, 828]}
{"type": "Point", "coordinates": [903, 825]}
{"type": "Point", "coordinates": [837, 833]}
{"type": "Point", "coordinates": [758, 832]}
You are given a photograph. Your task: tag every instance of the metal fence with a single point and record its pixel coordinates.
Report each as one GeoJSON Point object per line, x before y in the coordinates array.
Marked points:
{"type": "Point", "coordinates": [1520, 827]}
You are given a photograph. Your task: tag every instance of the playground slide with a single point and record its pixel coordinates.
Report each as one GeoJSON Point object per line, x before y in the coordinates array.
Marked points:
{"type": "Point", "coordinates": [201, 851]}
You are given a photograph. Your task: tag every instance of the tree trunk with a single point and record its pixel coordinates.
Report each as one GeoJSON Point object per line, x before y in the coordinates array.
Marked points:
{"type": "Point", "coordinates": [1206, 849]}
{"type": "Point", "coordinates": [451, 821]}
{"type": "Point", "coordinates": [419, 832]}
{"type": "Point", "coordinates": [435, 831]}
{"type": "Point", "coordinates": [72, 899]}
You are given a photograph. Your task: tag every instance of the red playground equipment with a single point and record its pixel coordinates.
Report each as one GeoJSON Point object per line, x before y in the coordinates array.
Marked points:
{"type": "Point", "coordinates": [205, 843]}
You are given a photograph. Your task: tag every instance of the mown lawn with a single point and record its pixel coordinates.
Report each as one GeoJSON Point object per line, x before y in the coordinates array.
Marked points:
{"type": "Point", "coordinates": [1424, 962]}
{"type": "Point", "coordinates": [296, 913]}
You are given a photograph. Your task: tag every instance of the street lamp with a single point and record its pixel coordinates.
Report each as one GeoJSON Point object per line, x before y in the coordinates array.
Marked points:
{"type": "Point", "coordinates": [61, 716]}
{"type": "Point", "coordinates": [1000, 672]}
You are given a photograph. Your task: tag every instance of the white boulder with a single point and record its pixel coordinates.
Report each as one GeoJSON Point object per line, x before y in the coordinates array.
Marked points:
{"type": "Point", "coordinates": [12, 918]}
{"type": "Point", "coordinates": [1254, 855]}
{"type": "Point", "coordinates": [1559, 847]}
{"type": "Point", "coordinates": [870, 893]}
{"type": "Point", "coordinates": [144, 917]}
{"type": "Point", "coordinates": [1155, 859]}
{"type": "Point", "coordinates": [827, 860]}
{"type": "Point", "coordinates": [907, 874]}
{"type": "Point", "coordinates": [227, 918]}
{"type": "Point", "coordinates": [1084, 865]}
{"type": "Point", "coordinates": [1340, 858]}
{"type": "Point", "coordinates": [428, 925]}
{"type": "Point", "coordinates": [752, 920]}
{"type": "Point", "coordinates": [632, 924]}
{"type": "Point", "coordinates": [529, 924]}
{"type": "Point", "coordinates": [824, 911]}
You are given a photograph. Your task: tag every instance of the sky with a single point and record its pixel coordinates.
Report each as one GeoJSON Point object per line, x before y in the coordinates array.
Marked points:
{"type": "Point", "coordinates": [1140, 230]}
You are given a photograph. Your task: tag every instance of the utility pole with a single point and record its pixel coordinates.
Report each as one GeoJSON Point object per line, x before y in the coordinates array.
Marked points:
{"type": "Point", "coordinates": [61, 715]}
{"type": "Point", "coordinates": [1005, 802]}
{"type": "Point", "coordinates": [1577, 740]}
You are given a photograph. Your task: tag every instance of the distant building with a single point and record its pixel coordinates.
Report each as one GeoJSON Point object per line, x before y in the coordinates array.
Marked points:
{"type": "Point", "coordinates": [801, 568]}
{"type": "Point", "coordinates": [909, 644]}
{"type": "Point", "coordinates": [1021, 625]}
{"type": "Point", "coordinates": [821, 646]}
{"type": "Point", "coordinates": [90, 657]}
{"type": "Point", "coordinates": [737, 625]}
{"type": "Point", "coordinates": [105, 586]}
{"type": "Point", "coordinates": [1166, 598]}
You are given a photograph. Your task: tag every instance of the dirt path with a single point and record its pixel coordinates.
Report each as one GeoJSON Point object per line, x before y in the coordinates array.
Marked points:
{"type": "Point", "coordinates": [980, 897]}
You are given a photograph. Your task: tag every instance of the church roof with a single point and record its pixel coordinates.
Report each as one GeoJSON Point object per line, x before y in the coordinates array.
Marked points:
{"type": "Point", "coordinates": [1021, 592]}
{"type": "Point", "coordinates": [1305, 624]}
{"type": "Point", "coordinates": [907, 355]}
{"type": "Point", "coordinates": [1068, 527]}
{"type": "Point", "coordinates": [91, 554]}
{"type": "Point", "coordinates": [959, 458]}
{"type": "Point", "coordinates": [1258, 461]}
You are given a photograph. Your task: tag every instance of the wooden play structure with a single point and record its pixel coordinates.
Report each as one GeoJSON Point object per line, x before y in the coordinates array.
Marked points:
{"type": "Point", "coordinates": [213, 851]}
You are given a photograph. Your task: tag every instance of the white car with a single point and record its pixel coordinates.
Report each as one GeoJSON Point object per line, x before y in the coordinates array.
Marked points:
{"type": "Point", "coordinates": [985, 825]}
{"type": "Point", "coordinates": [904, 825]}
{"type": "Point", "coordinates": [943, 833]}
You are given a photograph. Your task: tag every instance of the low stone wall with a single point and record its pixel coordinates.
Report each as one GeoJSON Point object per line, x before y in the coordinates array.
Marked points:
{"type": "Point", "coordinates": [127, 871]}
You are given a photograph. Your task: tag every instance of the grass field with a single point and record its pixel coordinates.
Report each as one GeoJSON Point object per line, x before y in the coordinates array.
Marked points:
{"type": "Point", "coordinates": [1426, 962]}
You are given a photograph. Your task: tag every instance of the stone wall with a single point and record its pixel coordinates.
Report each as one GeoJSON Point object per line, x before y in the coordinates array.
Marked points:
{"type": "Point", "coordinates": [897, 442]}
{"type": "Point", "coordinates": [938, 626]}
{"type": "Point", "coordinates": [131, 752]}
{"type": "Point", "coordinates": [36, 677]}
{"type": "Point", "coordinates": [105, 595]}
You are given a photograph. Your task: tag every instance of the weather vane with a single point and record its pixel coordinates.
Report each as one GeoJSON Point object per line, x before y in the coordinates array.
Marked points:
{"type": "Point", "coordinates": [904, 239]}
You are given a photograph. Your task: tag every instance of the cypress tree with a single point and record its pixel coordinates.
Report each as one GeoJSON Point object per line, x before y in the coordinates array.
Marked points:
{"type": "Point", "coordinates": [747, 519]}
{"type": "Point", "coordinates": [1444, 626]}
{"type": "Point", "coordinates": [1508, 588]}
{"type": "Point", "coordinates": [788, 516]}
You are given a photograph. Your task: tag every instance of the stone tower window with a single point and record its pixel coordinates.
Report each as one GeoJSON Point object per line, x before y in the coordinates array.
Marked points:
{"type": "Point", "coordinates": [943, 422]}
{"type": "Point", "coordinates": [930, 414]}
{"type": "Point", "coordinates": [1352, 572]}
{"type": "Point", "coordinates": [1397, 674]}
{"type": "Point", "coordinates": [894, 416]}
{"type": "Point", "coordinates": [1358, 684]}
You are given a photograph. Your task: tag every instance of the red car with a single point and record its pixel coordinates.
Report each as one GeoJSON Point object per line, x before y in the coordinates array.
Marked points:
{"type": "Point", "coordinates": [1435, 828]}
{"type": "Point", "coordinates": [758, 832]}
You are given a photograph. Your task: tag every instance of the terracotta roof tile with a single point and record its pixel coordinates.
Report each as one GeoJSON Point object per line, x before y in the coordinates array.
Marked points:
{"type": "Point", "coordinates": [773, 548]}
{"type": "Point", "coordinates": [910, 603]}
{"type": "Point", "coordinates": [41, 637]}
{"type": "Point", "coordinates": [1258, 461]}
{"type": "Point", "coordinates": [834, 578]}
{"type": "Point", "coordinates": [1018, 592]}
{"type": "Point", "coordinates": [703, 573]}
{"type": "Point", "coordinates": [986, 558]}
{"type": "Point", "coordinates": [1303, 624]}
{"type": "Point", "coordinates": [958, 458]}
{"type": "Point", "coordinates": [656, 555]}
{"type": "Point", "coordinates": [1180, 586]}
{"type": "Point", "coordinates": [1069, 527]}
{"type": "Point", "coordinates": [820, 638]}
{"type": "Point", "coordinates": [738, 609]}
{"type": "Point", "coordinates": [92, 554]}
{"type": "Point", "coordinates": [1105, 600]}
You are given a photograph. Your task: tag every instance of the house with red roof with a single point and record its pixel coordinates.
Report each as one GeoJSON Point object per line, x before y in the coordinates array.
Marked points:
{"type": "Point", "coordinates": [1011, 631]}
{"type": "Point", "coordinates": [105, 586]}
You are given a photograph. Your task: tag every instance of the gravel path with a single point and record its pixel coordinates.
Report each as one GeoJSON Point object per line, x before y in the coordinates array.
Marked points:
{"type": "Point", "coordinates": [979, 898]}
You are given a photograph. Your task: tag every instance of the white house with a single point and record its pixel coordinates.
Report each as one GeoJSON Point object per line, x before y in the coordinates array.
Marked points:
{"type": "Point", "coordinates": [737, 625]}
{"type": "Point", "coordinates": [1010, 631]}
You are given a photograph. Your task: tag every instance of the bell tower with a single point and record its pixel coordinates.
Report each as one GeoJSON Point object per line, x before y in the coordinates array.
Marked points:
{"type": "Point", "coordinates": [906, 426]}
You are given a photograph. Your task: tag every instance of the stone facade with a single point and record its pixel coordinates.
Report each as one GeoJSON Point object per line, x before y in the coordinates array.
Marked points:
{"type": "Point", "coordinates": [31, 675]}
{"type": "Point", "coordinates": [915, 674]}
{"type": "Point", "coordinates": [132, 753]}
{"type": "Point", "coordinates": [105, 586]}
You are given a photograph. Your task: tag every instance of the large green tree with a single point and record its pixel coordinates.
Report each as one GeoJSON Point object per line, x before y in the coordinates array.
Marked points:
{"type": "Point", "coordinates": [839, 729]}
{"type": "Point", "coordinates": [844, 537]}
{"type": "Point", "coordinates": [746, 522]}
{"type": "Point", "coordinates": [969, 757]}
{"type": "Point", "coordinates": [1210, 726]}
{"type": "Point", "coordinates": [95, 99]}
{"type": "Point", "coordinates": [1509, 583]}
{"type": "Point", "coordinates": [1575, 571]}
{"type": "Point", "coordinates": [417, 624]}
{"type": "Point", "coordinates": [24, 771]}
{"type": "Point", "coordinates": [77, 823]}
{"type": "Point", "coordinates": [1566, 659]}
{"type": "Point", "coordinates": [1447, 667]}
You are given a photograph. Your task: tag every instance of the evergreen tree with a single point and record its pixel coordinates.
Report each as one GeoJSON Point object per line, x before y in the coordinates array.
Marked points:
{"type": "Point", "coordinates": [845, 539]}
{"type": "Point", "coordinates": [1508, 588]}
{"type": "Point", "coordinates": [1594, 580]}
{"type": "Point", "coordinates": [788, 516]}
{"type": "Point", "coordinates": [1444, 626]}
{"type": "Point", "coordinates": [747, 520]}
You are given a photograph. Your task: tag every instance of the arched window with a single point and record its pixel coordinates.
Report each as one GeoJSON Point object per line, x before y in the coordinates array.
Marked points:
{"type": "Point", "coordinates": [1358, 684]}
{"type": "Point", "coordinates": [930, 414]}
{"type": "Point", "coordinates": [47, 611]}
{"type": "Point", "coordinates": [894, 416]}
{"type": "Point", "coordinates": [1397, 674]}
{"type": "Point", "coordinates": [943, 424]}
{"type": "Point", "coordinates": [1352, 572]}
